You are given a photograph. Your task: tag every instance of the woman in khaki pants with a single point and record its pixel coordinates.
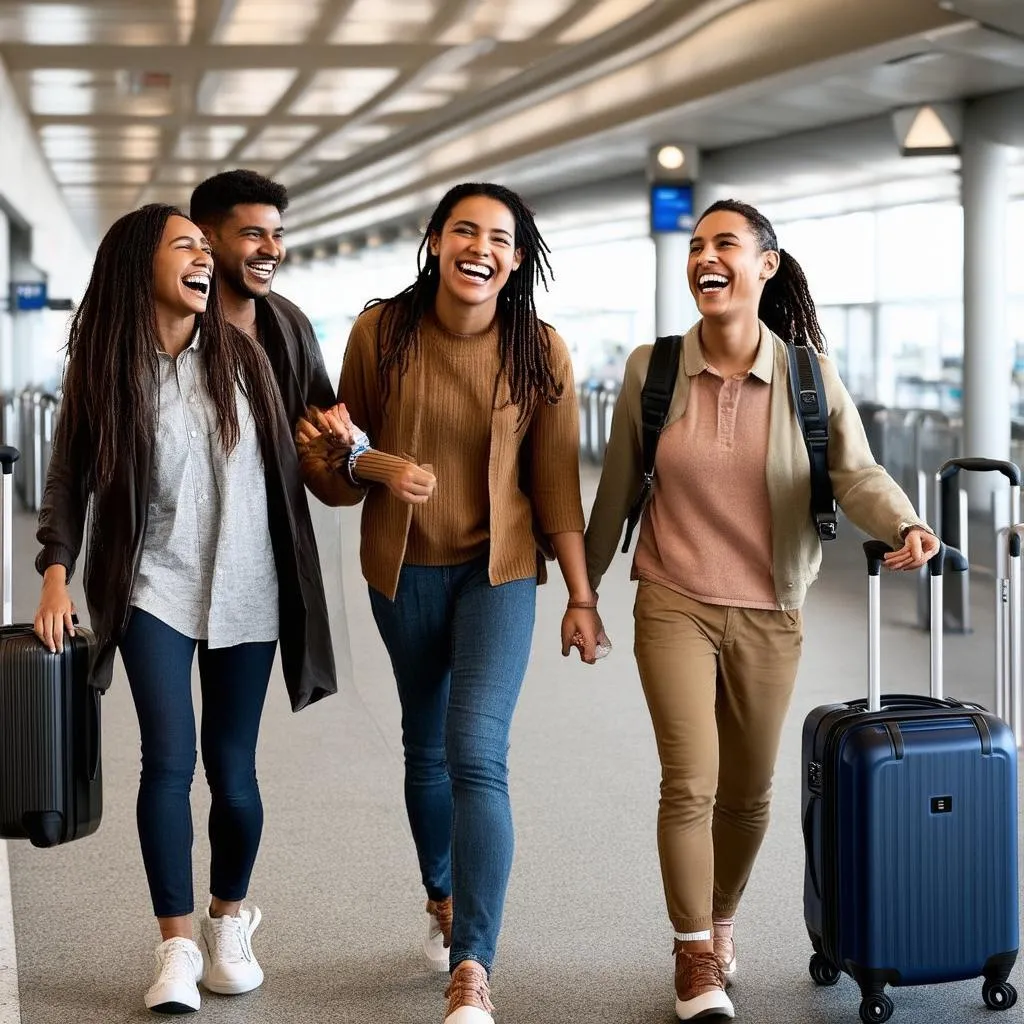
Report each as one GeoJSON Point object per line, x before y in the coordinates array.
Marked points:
{"type": "Point", "coordinates": [727, 549]}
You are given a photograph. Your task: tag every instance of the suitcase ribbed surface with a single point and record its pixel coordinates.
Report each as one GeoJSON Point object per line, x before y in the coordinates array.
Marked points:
{"type": "Point", "coordinates": [49, 735]}
{"type": "Point", "coordinates": [34, 712]}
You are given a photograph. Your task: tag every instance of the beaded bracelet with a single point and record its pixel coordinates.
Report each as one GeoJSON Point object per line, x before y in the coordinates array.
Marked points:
{"type": "Point", "coordinates": [585, 605]}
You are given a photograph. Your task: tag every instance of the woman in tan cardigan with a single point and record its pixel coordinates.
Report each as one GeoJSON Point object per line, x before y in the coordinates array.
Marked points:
{"type": "Point", "coordinates": [727, 549]}
{"type": "Point", "coordinates": [458, 377]}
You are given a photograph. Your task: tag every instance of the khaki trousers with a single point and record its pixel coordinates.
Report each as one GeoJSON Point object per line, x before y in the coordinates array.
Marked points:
{"type": "Point", "coordinates": [718, 682]}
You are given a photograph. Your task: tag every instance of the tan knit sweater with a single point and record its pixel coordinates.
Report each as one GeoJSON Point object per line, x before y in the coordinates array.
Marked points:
{"type": "Point", "coordinates": [498, 483]}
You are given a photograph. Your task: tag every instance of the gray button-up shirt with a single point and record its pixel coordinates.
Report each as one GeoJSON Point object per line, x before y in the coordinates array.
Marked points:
{"type": "Point", "coordinates": [207, 567]}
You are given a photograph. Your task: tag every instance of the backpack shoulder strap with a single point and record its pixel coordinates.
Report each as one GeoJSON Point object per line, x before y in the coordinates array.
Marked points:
{"type": "Point", "coordinates": [655, 399]}
{"type": "Point", "coordinates": [811, 406]}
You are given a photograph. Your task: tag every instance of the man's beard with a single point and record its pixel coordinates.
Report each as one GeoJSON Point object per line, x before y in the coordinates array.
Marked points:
{"type": "Point", "coordinates": [238, 284]}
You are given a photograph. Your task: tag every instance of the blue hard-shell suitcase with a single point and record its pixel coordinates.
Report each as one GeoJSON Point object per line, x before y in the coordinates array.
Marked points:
{"type": "Point", "coordinates": [910, 829]}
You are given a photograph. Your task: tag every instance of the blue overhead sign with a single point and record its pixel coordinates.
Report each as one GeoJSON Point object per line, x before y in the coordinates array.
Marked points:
{"type": "Point", "coordinates": [29, 295]}
{"type": "Point", "coordinates": [671, 208]}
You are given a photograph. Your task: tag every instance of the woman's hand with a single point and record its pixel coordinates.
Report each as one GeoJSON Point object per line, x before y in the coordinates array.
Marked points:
{"type": "Point", "coordinates": [54, 616]}
{"type": "Point", "coordinates": [334, 423]}
{"type": "Point", "coordinates": [582, 628]}
{"type": "Point", "coordinates": [408, 482]}
{"type": "Point", "coordinates": [918, 547]}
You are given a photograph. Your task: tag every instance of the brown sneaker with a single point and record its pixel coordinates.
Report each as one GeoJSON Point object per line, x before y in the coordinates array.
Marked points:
{"type": "Point", "coordinates": [700, 986]}
{"type": "Point", "coordinates": [725, 950]}
{"type": "Point", "coordinates": [439, 933]}
{"type": "Point", "coordinates": [469, 996]}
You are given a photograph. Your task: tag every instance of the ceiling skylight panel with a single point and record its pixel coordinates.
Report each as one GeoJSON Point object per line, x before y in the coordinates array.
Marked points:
{"type": "Point", "coordinates": [209, 142]}
{"type": "Point", "coordinates": [278, 142]}
{"type": "Point", "coordinates": [397, 21]}
{"type": "Point", "coordinates": [342, 90]}
{"type": "Point", "coordinates": [252, 92]}
{"type": "Point", "coordinates": [269, 21]}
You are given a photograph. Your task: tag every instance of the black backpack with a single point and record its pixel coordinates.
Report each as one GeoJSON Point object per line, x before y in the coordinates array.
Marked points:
{"type": "Point", "coordinates": [809, 402]}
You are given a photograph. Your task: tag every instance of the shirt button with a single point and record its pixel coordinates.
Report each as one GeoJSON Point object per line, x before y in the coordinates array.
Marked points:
{"type": "Point", "coordinates": [192, 433]}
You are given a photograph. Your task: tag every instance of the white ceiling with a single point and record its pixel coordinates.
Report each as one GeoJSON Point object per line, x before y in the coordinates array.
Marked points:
{"type": "Point", "coordinates": [366, 109]}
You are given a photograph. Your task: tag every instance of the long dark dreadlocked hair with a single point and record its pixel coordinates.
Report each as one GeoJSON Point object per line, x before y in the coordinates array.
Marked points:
{"type": "Point", "coordinates": [524, 344]}
{"type": "Point", "coordinates": [110, 381]}
{"type": "Point", "coordinates": [786, 305]}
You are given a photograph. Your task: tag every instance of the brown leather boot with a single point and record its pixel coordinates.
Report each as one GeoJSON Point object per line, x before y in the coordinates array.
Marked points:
{"type": "Point", "coordinates": [439, 933]}
{"type": "Point", "coordinates": [469, 996]}
{"type": "Point", "coordinates": [700, 985]}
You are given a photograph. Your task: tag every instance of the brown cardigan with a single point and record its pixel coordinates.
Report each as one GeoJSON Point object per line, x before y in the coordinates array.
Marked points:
{"type": "Point", "coordinates": [533, 478]}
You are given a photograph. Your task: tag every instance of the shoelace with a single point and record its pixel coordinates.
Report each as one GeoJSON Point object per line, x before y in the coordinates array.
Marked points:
{"type": "Point", "coordinates": [441, 911]}
{"type": "Point", "coordinates": [702, 970]}
{"type": "Point", "coordinates": [469, 988]}
{"type": "Point", "coordinates": [178, 962]}
{"type": "Point", "coordinates": [231, 937]}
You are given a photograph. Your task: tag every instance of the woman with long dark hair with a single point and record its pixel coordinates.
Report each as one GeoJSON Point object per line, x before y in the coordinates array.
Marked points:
{"type": "Point", "coordinates": [726, 552]}
{"type": "Point", "coordinates": [173, 430]}
{"type": "Point", "coordinates": [458, 377]}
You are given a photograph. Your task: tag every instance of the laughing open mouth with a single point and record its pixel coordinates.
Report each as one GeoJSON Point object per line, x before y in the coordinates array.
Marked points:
{"type": "Point", "coordinates": [262, 269]}
{"type": "Point", "coordinates": [475, 271]}
{"type": "Point", "coordinates": [710, 283]}
{"type": "Point", "coordinates": [197, 283]}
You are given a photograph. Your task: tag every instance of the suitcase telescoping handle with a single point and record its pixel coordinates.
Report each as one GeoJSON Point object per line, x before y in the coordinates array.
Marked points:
{"type": "Point", "coordinates": [8, 457]}
{"type": "Point", "coordinates": [876, 550]}
{"type": "Point", "coordinates": [973, 465]}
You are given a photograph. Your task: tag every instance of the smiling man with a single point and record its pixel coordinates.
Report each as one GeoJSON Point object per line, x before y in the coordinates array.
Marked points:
{"type": "Point", "coordinates": [240, 214]}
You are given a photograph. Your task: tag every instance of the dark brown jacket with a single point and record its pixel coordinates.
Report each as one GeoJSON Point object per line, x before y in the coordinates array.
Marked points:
{"type": "Point", "coordinates": [117, 519]}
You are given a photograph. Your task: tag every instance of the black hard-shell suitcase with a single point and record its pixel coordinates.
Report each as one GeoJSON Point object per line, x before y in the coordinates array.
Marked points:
{"type": "Point", "coordinates": [910, 827]}
{"type": "Point", "coordinates": [50, 779]}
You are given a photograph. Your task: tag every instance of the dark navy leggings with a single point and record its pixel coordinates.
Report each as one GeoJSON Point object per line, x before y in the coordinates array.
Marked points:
{"type": "Point", "coordinates": [158, 661]}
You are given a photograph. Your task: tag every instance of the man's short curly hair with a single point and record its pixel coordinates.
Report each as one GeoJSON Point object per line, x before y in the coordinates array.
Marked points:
{"type": "Point", "coordinates": [216, 197]}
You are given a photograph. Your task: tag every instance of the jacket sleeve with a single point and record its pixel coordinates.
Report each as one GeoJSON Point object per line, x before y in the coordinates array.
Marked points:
{"type": "Point", "coordinates": [357, 377]}
{"type": "Point", "coordinates": [317, 389]}
{"type": "Point", "coordinates": [61, 523]}
{"type": "Point", "coordinates": [621, 474]}
{"type": "Point", "coordinates": [871, 499]}
{"type": "Point", "coordinates": [554, 453]}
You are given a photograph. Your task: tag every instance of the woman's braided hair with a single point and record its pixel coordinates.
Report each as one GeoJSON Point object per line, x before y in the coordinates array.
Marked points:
{"type": "Point", "coordinates": [524, 344]}
{"type": "Point", "coordinates": [786, 306]}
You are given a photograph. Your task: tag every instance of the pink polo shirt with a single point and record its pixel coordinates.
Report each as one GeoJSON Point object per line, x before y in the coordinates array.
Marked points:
{"type": "Point", "coordinates": [707, 532]}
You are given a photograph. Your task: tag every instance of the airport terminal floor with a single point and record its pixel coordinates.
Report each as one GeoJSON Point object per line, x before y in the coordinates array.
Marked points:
{"type": "Point", "coordinates": [585, 937]}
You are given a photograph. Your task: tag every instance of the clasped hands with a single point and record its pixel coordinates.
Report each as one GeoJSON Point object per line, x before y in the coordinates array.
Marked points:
{"type": "Point", "coordinates": [329, 435]}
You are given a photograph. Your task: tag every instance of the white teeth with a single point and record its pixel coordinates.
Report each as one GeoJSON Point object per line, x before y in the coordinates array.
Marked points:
{"type": "Point", "coordinates": [476, 270]}
{"type": "Point", "coordinates": [709, 280]}
{"type": "Point", "coordinates": [200, 282]}
{"type": "Point", "coordinates": [262, 269]}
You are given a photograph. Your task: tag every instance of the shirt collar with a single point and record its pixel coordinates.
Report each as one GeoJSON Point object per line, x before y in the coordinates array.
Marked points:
{"type": "Point", "coordinates": [695, 364]}
{"type": "Point", "coordinates": [192, 346]}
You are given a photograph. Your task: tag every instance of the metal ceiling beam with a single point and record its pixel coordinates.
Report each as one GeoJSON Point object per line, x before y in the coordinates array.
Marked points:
{"type": "Point", "coordinates": [23, 57]}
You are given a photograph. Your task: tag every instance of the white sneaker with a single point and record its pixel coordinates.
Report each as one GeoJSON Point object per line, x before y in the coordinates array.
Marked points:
{"type": "Point", "coordinates": [436, 945]}
{"type": "Point", "coordinates": [179, 969]}
{"type": "Point", "coordinates": [228, 959]}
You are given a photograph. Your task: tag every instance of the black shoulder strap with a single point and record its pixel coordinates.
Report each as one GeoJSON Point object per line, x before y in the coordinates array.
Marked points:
{"type": "Point", "coordinates": [654, 402]}
{"type": "Point", "coordinates": [811, 407]}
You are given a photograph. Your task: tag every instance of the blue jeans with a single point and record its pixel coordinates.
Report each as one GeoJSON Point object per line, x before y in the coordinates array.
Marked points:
{"type": "Point", "coordinates": [459, 648]}
{"type": "Point", "coordinates": [158, 662]}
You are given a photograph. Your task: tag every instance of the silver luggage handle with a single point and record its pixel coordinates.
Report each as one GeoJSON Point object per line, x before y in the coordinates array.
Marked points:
{"type": "Point", "coordinates": [8, 457]}
{"type": "Point", "coordinates": [875, 551]}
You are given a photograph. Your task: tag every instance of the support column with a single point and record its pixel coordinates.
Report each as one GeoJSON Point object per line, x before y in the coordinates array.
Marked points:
{"type": "Point", "coordinates": [987, 356]}
{"type": "Point", "coordinates": [674, 309]}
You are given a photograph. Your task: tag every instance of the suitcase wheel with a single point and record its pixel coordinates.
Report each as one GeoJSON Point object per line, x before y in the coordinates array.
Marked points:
{"type": "Point", "coordinates": [823, 972]}
{"type": "Point", "coordinates": [876, 1009]}
{"type": "Point", "coordinates": [999, 995]}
